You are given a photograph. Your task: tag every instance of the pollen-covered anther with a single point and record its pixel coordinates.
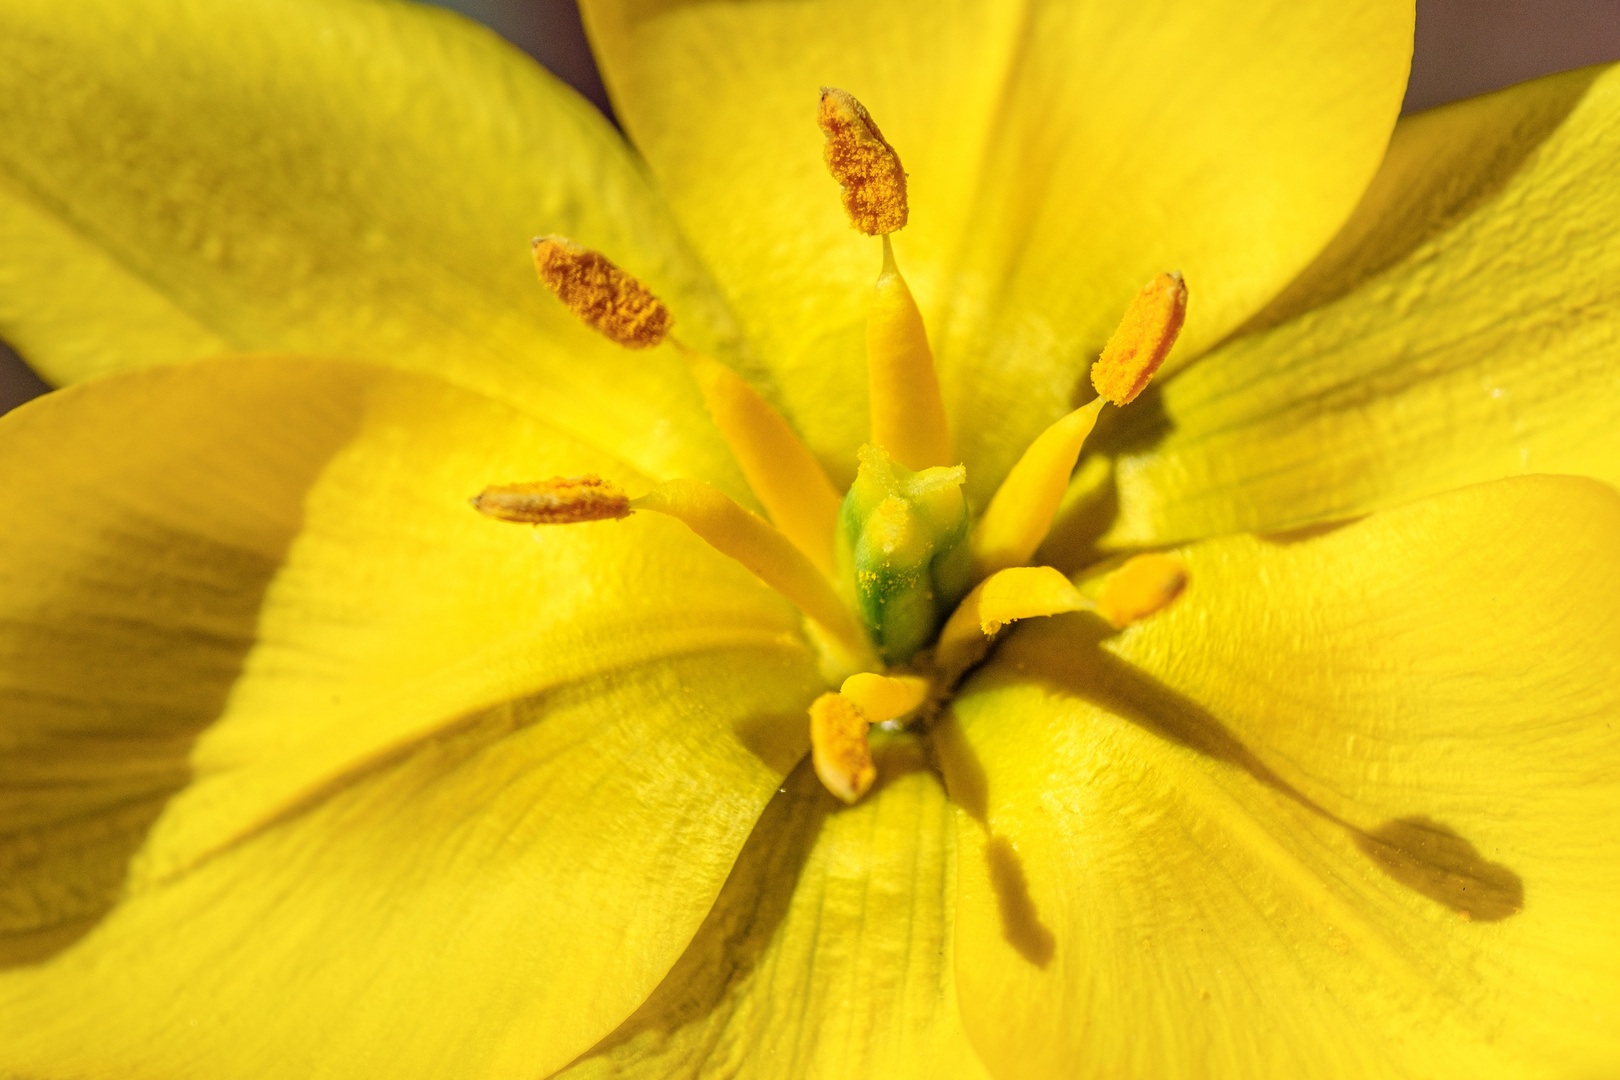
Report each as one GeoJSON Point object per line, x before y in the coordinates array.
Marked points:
{"type": "Point", "coordinates": [562, 500]}
{"type": "Point", "coordinates": [1145, 584]}
{"type": "Point", "coordinates": [839, 749]}
{"type": "Point", "coordinates": [870, 177]}
{"type": "Point", "coordinates": [604, 297]}
{"type": "Point", "coordinates": [1143, 339]}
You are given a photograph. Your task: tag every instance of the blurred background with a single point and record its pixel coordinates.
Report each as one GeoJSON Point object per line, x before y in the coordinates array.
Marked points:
{"type": "Point", "coordinates": [1462, 48]}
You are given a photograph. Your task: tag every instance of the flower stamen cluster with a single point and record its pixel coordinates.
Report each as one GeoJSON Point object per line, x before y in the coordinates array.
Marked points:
{"type": "Point", "coordinates": [901, 591]}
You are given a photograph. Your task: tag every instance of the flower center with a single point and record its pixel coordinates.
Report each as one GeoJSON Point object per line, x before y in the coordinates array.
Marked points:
{"type": "Point", "coordinates": [901, 590]}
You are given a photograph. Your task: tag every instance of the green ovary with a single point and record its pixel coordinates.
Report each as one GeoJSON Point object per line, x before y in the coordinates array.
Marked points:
{"type": "Point", "coordinates": [903, 550]}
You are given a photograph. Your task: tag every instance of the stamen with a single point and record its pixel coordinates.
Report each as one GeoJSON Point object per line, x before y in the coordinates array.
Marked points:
{"type": "Point", "coordinates": [908, 413]}
{"type": "Point", "coordinates": [839, 748]}
{"type": "Point", "coordinates": [604, 297]}
{"type": "Point", "coordinates": [782, 472]}
{"type": "Point", "coordinates": [771, 556]}
{"type": "Point", "coordinates": [1021, 511]}
{"type": "Point", "coordinates": [1143, 339]}
{"type": "Point", "coordinates": [885, 697]}
{"type": "Point", "coordinates": [1145, 584]}
{"type": "Point", "coordinates": [562, 500]}
{"type": "Point", "coordinates": [1021, 592]}
{"type": "Point", "coordinates": [867, 169]}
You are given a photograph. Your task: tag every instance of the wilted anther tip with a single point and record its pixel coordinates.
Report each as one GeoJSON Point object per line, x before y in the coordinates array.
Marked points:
{"type": "Point", "coordinates": [870, 177]}
{"type": "Point", "coordinates": [604, 297]}
{"type": "Point", "coordinates": [1144, 338]}
{"type": "Point", "coordinates": [562, 500]}
{"type": "Point", "coordinates": [1144, 585]}
{"type": "Point", "coordinates": [839, 749]}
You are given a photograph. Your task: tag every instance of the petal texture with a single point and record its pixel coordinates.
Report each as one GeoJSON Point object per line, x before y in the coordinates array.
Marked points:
{"type": "Point", "coordinates": [1059, 154]}
{"type": "Point", "coordinates": [828, 954]}
{"type": "Point", "coordinates": [310, 770]}
{"type": "Point", "coordinates": [331, 177]}
{"type": "Point", "coordinates": [1342, 810]}
{"type": "Point", "coordinates": [1468, 331]}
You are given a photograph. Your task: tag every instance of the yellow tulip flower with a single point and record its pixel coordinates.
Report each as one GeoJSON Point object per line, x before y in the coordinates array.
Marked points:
{"type": "Point", "coordinates": [308, 770]}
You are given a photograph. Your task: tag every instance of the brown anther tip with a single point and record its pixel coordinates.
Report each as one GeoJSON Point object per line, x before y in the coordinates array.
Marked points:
{"type": "Point", "coordinates": [1143, 340]}
{"type": "Point", "coordinates": [603, 296]}
{"type": "Point", "coordinates": [562, 500]}
{"type": "Point", "coordinates": [870, 178]}
{"type": "Point", "coordinates": [839, 749]}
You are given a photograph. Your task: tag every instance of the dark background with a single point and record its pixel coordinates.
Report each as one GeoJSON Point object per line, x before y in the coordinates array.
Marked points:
{"type": "Point", "coordinates": [1463, 48]}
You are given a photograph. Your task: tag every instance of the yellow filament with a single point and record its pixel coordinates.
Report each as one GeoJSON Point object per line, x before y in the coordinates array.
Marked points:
{"type": "Point", "coordinates": [603, 297]}
{"type": "Point", "coordinates": [1143, 340]}
{"type": "Point", "coordinates": [1021, 511]}
{"type": "Point", "coordinates": [885, 697]}
{"type": "Point", "coordinates": [562, 500]}
{"type": "Point", "coordinates": [839, 748]}
{"type": "Point", "coordinates": [1142, 586]}
{"type": "Point", "coordinates": [908, 415]}
{"type": "Point", "coordinates": [870, 177]}
{"type": "Point", "coordinates": [782, 472]}
{"type": "Point", "coordinates": [1021, 592]}
{"type": "Point", "coordinates": [771, 556]}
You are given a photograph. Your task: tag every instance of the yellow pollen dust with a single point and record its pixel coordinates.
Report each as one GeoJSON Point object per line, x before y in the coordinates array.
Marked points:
{"type": "Point", "coordinates": [604, 297]}
{"type": "Point", "coordinates": [870, 177]}
{"type": "Point", "coordinates": [1143, 339]}
{"type": "Point", "coordinates": [839, 749]}
{"type": "Point", "coordinates": [1145, 584]}
{"type": "Point", "coordinates": [562, 500]}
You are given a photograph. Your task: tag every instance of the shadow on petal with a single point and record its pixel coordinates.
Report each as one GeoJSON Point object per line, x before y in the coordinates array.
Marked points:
{"type": "Point", "coordinates": [1429, 858]}
{"type": "Point", "coordinates": [1423, 855]}
{"type": "Point", "coordinates": [123, 630]}
{"type": "Point", "coordinates": [965, 782]}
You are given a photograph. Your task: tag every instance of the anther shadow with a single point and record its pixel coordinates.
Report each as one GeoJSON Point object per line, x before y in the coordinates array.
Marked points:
{"type": "Point", "coordinates": [1425, 856]}
{"type": "Point", "coordinates": [755, 900]}
{"type": "Point", "coordinates": [130, 625]}
{"type": "Point", "coordinates": [969, 788]}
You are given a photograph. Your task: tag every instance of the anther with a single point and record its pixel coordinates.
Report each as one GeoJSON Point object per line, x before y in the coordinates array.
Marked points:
{"type": "Point", "coordinates": [868, 171]}
{"type": "Point", "coordinates": [604, 297]}
{"type": "Point", "coordinates": [1143, 340]}
{"type": "Point", "coordinates": [839, 749]}
{"type": "Point", "coordinates": [1145, 584]}
{"type": "Point", "coordinates": [562, 500]}
{"type": "Point", "coordinates": [885, 697]}
{"type": "Point", "coordinates": [1020, 592]}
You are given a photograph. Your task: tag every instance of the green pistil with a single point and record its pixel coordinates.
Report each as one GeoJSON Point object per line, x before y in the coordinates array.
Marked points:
{"type": "Point", "coordinates": [903, 550]}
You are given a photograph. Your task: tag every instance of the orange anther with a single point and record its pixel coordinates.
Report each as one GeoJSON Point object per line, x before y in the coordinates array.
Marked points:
{"type": "Point", "coordinates": [867, 169]}
{"type": "Point", "coordinates": [1143, 340]}
{"type": "Point", "coordinates": [562, 500]}
{"type": "Point", "coordinates": [604, 297]}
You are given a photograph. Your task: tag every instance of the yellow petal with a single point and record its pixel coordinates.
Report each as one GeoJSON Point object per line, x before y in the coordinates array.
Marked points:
{"type": "Point", "coordinates": [827, 955]}
{"type": "Point", "coordinates": [294, 740]}
{"type": "Point", "coordinates": [1343, 810]}
{"type": "Point", "coordinates": [331, 178]}
{"type": "Point", "coordinates": [1058, 155]}
{"type": "Point", "coordinates": [1470, 331]}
